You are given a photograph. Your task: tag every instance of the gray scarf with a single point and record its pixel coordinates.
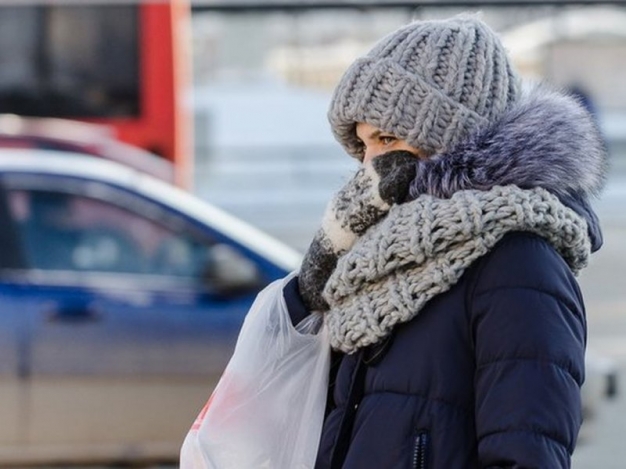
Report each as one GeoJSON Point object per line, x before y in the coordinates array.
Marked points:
{"type": "Point", "coordinates": [422, 248]}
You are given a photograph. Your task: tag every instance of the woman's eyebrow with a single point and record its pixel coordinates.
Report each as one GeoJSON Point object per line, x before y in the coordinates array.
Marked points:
{"type": "Point", "coordinates": [375, 134]}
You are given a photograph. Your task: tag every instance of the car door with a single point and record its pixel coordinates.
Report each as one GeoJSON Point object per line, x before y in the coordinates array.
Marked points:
{"type": "Point", "coordinates": [13, 342]}
{"type": "Point", "coordinates": [133, 312]}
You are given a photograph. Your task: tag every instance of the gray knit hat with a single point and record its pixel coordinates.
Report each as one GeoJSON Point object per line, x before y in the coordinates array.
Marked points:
{"type": "Point", "coordinates": [430, 83]}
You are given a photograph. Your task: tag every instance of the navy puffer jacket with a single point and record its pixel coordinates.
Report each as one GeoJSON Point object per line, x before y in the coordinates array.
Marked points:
{"type": "Point", "coordinates": [488, 374]}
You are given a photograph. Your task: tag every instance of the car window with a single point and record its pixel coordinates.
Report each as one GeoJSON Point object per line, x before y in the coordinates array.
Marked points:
{"type": "Point", "coordinates": [69, 232]}
{"type": "Point", "coordinates": [10, 253]}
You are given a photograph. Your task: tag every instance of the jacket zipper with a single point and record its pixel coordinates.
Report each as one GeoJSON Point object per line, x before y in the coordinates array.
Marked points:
{"type": "Point", "coordinates": [420, 450]}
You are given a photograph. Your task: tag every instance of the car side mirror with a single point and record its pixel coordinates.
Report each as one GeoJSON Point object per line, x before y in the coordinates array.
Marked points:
{"type": "Point", "coordinates": [229, 273]}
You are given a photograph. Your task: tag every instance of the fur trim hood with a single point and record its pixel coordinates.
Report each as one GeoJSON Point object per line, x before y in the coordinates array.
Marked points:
{"type": "Point", "coordinates": [547, 139]}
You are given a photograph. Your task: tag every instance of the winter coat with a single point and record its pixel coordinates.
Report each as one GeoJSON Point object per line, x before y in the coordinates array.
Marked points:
{"type": "Point", "coordinates": [488, 374]}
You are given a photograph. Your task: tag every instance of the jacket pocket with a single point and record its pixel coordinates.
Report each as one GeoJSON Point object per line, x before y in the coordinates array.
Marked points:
{"type": "Point", "coordinates": [420, 450]}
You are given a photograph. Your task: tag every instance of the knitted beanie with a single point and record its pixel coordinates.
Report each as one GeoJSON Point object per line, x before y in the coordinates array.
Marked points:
{"type": "Point", "coordinates": [430, 83]}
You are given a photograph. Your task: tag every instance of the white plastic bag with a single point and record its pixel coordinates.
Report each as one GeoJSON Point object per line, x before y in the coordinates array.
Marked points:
{"type": "Point", "coordinates": [268, 407]}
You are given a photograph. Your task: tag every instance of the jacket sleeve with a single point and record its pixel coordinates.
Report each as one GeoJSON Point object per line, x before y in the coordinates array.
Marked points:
{"type": "Point", "coordinates": [295, 306]}
{"type": "Point", "coordinates": [529, 334]}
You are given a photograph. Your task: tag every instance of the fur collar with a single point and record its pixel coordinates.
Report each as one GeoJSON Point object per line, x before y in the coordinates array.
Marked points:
{"type": "Point", "coordinates": [547, 139]}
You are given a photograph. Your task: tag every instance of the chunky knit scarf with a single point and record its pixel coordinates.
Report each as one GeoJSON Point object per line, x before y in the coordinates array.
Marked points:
{"type": "Point", "coordinates": [422, 248]}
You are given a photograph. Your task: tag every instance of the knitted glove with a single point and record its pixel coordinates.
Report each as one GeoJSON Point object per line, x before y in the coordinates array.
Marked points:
{"type": "Point", "coordinates": [361, 203]}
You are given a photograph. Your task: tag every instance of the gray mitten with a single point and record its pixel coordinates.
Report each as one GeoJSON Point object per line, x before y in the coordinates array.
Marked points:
{"type": "Point", "coordinates": [361, 203]}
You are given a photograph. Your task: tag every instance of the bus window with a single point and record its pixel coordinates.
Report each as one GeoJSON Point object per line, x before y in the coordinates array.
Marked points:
{"type": "Point", "coordinates": [122, 65]}
{"type": "Point", "coordinates": [69, 61]}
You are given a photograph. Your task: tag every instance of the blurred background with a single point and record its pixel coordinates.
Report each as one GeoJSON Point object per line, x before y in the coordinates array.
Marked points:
{"type": "Point", "coordinates": [162, 161]}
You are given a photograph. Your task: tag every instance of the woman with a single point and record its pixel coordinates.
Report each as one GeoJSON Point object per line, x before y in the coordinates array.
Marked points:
{"type": "Point", "coordinates": [446, 266]}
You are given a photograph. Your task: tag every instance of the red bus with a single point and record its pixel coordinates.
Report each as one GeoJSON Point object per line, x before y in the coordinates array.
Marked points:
{"type": "Point", "coordinates": [124, 64]}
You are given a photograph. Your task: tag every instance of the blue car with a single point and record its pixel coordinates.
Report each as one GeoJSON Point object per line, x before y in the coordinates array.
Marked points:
{"type": "Point", "coordinates": [121, 298]}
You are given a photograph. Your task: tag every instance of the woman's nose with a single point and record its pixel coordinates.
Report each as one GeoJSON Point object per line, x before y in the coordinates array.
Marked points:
{"type": "Point", "coordinates": [370, 154]}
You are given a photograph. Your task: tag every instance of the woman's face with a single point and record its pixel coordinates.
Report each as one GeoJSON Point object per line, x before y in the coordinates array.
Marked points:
{"type": "Point", "coordinates": [376, 142]}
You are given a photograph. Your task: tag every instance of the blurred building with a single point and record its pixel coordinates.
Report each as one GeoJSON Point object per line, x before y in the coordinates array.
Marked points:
{"type": "Point", "coordinates": [583, 49]}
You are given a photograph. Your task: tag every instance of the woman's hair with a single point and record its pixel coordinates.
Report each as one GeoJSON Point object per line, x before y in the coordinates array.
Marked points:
{"type": "Point", "coordinates": [430, 83]}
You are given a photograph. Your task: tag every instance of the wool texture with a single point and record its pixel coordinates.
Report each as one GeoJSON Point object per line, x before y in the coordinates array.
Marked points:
{"type": "Point", "coordinates": [361, 203]}
{"type": "Point", "coordinates": [431, 83]}
{"type": "Point", "coordinates": [423, 247]}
